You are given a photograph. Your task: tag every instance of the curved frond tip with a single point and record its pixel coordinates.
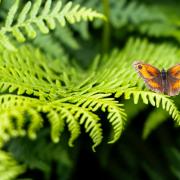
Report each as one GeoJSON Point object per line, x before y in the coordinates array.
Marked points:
{"type": "Point", "coordinates": [155, 99]}
{"type": "Point", "coordinates": [116, 114]}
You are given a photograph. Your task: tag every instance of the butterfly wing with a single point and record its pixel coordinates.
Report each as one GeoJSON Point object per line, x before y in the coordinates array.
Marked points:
{"type": "Point", "coordinates": [173, 78]}
{"type": "Point", "coordinates": [150, 75]}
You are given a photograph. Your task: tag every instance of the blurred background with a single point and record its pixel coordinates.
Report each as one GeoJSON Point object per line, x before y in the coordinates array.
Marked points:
{"type": "Point", "coordinates": [141, 152]}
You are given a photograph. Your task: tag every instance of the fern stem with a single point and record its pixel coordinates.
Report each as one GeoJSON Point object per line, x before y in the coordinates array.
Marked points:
{"type": "Point", "coordinates": [106, 29]}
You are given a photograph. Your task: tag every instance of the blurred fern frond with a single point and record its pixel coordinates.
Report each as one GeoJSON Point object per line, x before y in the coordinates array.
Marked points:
{"type": "Point", "coordinates": [9, 168]}
{"type": "Point", "coordinates": [146, 18]}
{"type": "Point", "coordinates": [43, 18]}
{"type": "Point", "coordinates": [157, 20]}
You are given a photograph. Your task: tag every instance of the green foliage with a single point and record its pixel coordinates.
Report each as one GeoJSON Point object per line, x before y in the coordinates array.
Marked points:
{"type": "Point", "coordinates": [32, 15]}
{"type": "Point", "coordinates": [156, 118]}
{"type": "Point", "coordinates": [56, 94]}
{"type": "Point", "coordinates": [45, 93]}
{"type": "Point", "coordinates": [155, 99]}
{"type": "Point", "coordinates": [69, 99]}
{"type": "Point", "coordinates": [145, 17]}
{"type": "Point", "coordinates": [9, 168]}
{"type": "Point", "coordinates": [43, 160]}
{"type": "Point", "coordinates": [174, 158]}
{"type": "Point", "coordinates": [154, 22]}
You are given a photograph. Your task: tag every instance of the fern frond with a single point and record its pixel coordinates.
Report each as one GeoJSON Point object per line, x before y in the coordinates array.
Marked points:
{"type": "Point", "coordinates": [11, 14]}
{"type": "Point", "coordinates": [13, 79]}
{"type": "Point", "coordinates": [74, 117]}
{"type": "Point", "coordinates": [14, 110]}
{"type": "Point", "coordinates": [9, 168]}
{"type": "Point", "coordinates": [158, 20]}
{"type": "Point", "coordinates": [154, 99]}
{"type": "Point", "coordinates": [48, 45]}
{"type": "Point", "coordinates": [69, 95]}
{"type": "Point", "coordinates": [44, 18]}
{"type": "Point", "coordinates": [116, 75]}
{"type": "Point", "coordinates": [57, 123]}
{"type": "Point", "coordinates": [72, 121]}
{"type": "Point", "coordinates": [90, 121]}
{"type": "Point", "coordinates": [116, 114]}
{"type": "Point", "coordinates": [36, 122]}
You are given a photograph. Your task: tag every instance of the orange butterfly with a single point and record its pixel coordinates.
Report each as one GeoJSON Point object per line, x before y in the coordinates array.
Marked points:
{"type": "Point", "coordinates": [167, 82]}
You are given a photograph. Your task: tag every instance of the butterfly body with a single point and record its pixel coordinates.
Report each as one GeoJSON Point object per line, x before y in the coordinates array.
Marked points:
{"type": "Point", "coordinates": [167, 82]}
{"type": "Point", "coordinates": [163, 74]}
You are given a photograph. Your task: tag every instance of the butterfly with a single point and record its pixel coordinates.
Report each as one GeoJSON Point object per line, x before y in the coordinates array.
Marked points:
{"type": "Point", "coordinates": [167, 82]}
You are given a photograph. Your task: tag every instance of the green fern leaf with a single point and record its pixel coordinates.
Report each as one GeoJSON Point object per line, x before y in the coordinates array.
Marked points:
{"type": "Point", "coordinates": [9, 168]}
{"type": "Point", "coordinates": [35, 9]}
{"type": "Point", "coordinates": [155, 99]}
{"type": "Point", "coordinates": [15, 107]}
{"type": "Point", "coordinates": [57, 124]}
{"type": "Point", "coordinates": [11, 14]}
{"type": "Point", "coordinates": [72, 122]}
{"type": "Point", "coordinates": [116, 114]}
{"type": "Point", "coordinates": [4, 41]}
{"type": "Point", "coordinates": [23, 15]}
{"type": "Point", "coordinates": [35, 123]}
{"type": "Point", "coordinates": [43, 18]}
{"type": "Point", "coordinates": [90, 121]}
{"type": "Point", "coordinates": [69, 95]}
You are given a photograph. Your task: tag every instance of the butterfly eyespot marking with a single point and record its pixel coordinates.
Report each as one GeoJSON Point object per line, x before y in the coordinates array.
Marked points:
{"type": "Point", "coordinates": [139, 66]}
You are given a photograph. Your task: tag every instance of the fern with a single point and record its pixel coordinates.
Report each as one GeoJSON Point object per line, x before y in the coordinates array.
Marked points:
{"type": "Point", "coordinates": [116, 114]}
{"type": "Point", "coordinates": [9, 168]}
{"type": "Point", "coordinates": [68, 97]}
{"type": "Point", "coordinates": [42, 160]}
{"type": "Point", "coordinates": [155, 100]}
{"type": "Point", "coordinates": [14, 109]}
{"type": "Point", "coordinates": [148, 19]}
{"type": "Point", "coordinates": [47, 44]}
{"type": "Point", "coordinates": [48, 101]}
{"type": "Point", "coordinates": [156, 20]}
{"type": "Point", "coordinates": [72, 114]}
{"type": "Point", "coordinates": [35, 14]}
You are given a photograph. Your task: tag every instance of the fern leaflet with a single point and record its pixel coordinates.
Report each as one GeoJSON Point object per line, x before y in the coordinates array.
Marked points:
{"type": "Point", "coordinates": [43, 17]}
